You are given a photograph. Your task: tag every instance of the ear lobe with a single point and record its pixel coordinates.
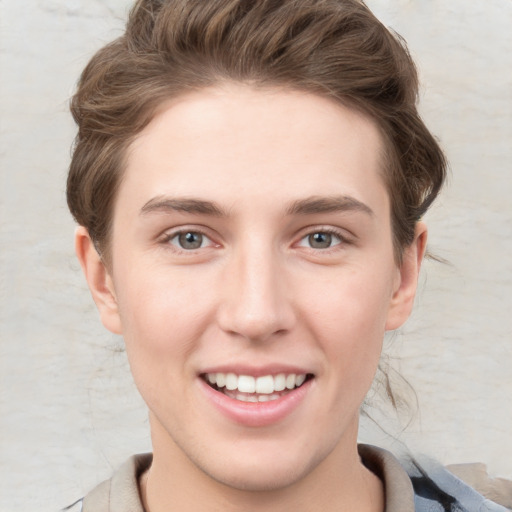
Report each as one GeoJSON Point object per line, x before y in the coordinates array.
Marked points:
{"type": "Point", "coordinates": [403, 296]}
{"type": "Point", "coordinates": [99, 280]}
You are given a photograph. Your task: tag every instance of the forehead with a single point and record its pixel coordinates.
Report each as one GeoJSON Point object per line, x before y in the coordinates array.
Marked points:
{"type": "Point", "coordinates": [238, 143]}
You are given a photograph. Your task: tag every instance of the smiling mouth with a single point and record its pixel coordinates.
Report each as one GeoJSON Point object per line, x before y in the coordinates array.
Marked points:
{"type": "Point", "coordinates": [247, 388]}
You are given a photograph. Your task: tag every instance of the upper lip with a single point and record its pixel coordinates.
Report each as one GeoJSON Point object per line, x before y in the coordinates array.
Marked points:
{"type": "Point", "coordinates": [256, 371]}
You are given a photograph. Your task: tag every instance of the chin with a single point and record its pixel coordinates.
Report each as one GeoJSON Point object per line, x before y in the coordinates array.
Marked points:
{"type": "Point", "coordinates": [259, 479]}
{"type": "Point", "coordinates": [261, 472]}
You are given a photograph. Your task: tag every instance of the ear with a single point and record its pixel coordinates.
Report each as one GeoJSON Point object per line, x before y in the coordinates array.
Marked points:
{"type": "Point", "coordinates": [407, 282]}
{"type": "Point", "coordinates": [99, 280]}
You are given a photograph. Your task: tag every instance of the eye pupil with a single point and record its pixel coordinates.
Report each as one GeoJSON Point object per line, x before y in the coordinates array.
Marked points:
{"type": "Point", "coordinates": [320, 240]}
{"type": "Point", "coordinates": [190, 240]}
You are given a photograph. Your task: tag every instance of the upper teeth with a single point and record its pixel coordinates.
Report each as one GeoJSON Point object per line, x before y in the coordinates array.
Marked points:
{"type": "Point", "coordinates": [267, 384]}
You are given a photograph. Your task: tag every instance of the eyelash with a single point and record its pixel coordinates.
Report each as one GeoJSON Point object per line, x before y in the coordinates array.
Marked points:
{"type": "Point", "coordinates": [343, 240]}
{"type": "Point", "coordinates": [169, 237]}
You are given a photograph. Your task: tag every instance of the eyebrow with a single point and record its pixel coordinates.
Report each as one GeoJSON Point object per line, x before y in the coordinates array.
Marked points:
{"type": "Point", "coordinates": [195, 206]}
{"type": "Point", "coordinates": [308, 206]}
{"type": "Point", "coordinates": [317, 204]}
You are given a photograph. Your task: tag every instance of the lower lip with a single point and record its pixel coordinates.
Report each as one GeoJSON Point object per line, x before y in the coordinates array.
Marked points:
{"type": "Point", "coordinates": [256, 414]}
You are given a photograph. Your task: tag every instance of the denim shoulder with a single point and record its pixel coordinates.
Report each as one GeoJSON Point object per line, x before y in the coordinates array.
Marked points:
{"type": "Point", "coordinates": [438, 490]}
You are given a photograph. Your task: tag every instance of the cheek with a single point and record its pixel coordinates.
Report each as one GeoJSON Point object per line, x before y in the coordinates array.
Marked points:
{"type": "Point", "coordinates": [161, 331]}
{"type": "Point", "coordinates": [350, 301]}
{"type": "Point", "coordinates": [348, 316]}
{"type": "Point", "coordinates": [150, 297]}
{"type": "Point", "coordinates": [162, 317]}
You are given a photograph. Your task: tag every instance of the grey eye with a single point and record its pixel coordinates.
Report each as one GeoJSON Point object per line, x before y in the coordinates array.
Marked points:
{"type": "Point", "coordinates": [320, 240]}
{"type": "Point", "coordinates": [189, 240]}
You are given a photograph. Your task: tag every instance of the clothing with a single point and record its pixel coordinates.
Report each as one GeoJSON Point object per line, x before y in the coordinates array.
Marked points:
{"type": "Point", "coordinates": [409, 487]}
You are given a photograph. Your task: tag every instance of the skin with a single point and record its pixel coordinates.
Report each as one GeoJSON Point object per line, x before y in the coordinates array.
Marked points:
{"type": "Point", "coordinates": [256, 293]}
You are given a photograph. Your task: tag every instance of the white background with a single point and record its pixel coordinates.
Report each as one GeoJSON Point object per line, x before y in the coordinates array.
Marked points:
{"type": "Point", "coordinates": [68, 411]}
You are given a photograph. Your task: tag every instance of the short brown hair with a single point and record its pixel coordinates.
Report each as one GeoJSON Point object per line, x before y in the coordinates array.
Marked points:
{"type": "Point", "coordinates": [334, 48]}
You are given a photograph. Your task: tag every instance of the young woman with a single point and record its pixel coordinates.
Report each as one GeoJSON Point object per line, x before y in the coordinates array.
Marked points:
{"type": "Point", "coordinates": [249, 180]}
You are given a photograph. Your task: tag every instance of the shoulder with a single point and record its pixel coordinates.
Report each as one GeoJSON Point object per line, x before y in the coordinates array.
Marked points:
{"type": "Point", "coordinates": [422, 485]}
{"type": "Point", "coordinates": [118, 494]}
{"type": "Point", "coordinates": [432, 481]}
{"type": "Point", "coordinates": [476, 476]}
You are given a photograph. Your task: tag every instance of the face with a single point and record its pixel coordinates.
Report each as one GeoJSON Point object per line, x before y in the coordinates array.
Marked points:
{"type": "Point", "coordinates": [253, 279]}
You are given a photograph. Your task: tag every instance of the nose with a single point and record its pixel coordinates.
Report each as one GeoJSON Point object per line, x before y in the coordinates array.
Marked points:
{"type": "Point", "coordinates": [255, 303]}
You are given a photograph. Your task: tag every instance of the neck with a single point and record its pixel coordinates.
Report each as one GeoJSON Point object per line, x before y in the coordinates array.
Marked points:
{"type": "Point", "coordinates": [338, 483]}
